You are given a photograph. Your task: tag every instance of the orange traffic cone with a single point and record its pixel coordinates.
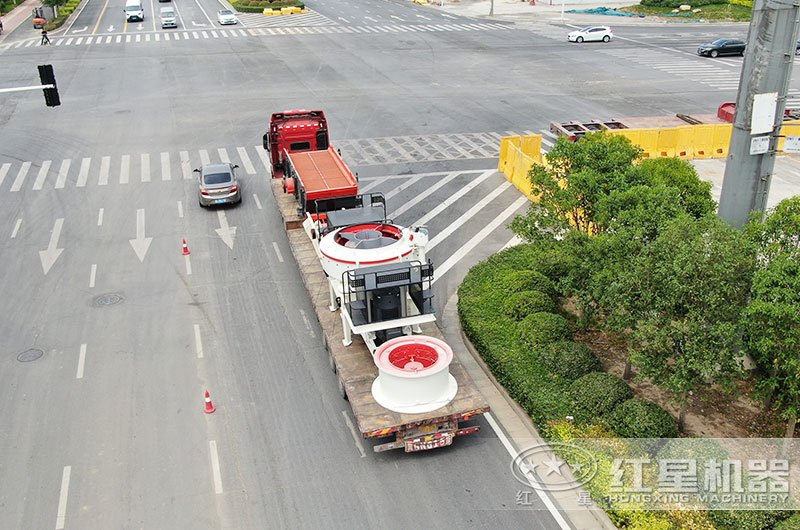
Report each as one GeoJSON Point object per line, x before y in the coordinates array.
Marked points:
{"type": "Point", "coordinates": [209, 405]}
{"type": "Point", "coordinates": [185, 248]}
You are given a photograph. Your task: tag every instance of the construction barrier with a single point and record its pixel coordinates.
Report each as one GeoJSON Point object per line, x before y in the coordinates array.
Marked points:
{"type": "Point", "coordinates": [518, 154]}
{"type": "Point", "coordinates": [789, 128]}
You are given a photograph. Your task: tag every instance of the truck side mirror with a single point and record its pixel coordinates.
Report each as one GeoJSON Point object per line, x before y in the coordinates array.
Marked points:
{"type": "Point", "coordinates": [266, 141]}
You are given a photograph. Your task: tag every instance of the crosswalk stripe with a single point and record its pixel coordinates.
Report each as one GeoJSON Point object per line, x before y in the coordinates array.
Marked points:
{"type": "Point", "coordinates": [39, 182]}
{"type": "Point", "coordinates": [138, 38]}
{"type": "Point", "coordinates": [166, 36]}
{"type": "Point", "coordinates": [88, 40]}
{"type": "Point", "coordinates": [145, 167]}
{"type": "Point", "coordinates": [108, 39]}
{"type": "Point", "coordinates": [262, 154]}
{"type": "Point", "coordinates": [124, 169]}
{"type": "Point", "coordinates": [165, 171]}
{"type": "Point", "coordinates": [204, 157]}
{"type": "Point", "coordinates": [185, 35]}
{"type": "Point", "coordinates": [213, 33]}
{"type": "Point", "coordinates": [195, 35]}
{"type": "Point", "coordinates": [62, 173]}
{"type": "Point", "coordinates": [105, 164]}
{"type": "Point", "coordinates": [186, 168]}
{"type": "Point", "coordinates": [158, 36]}
{"type": "Point", "coordinates": [83, 173]}
{"type": "Point", "coordinates": [119, 38]}
{"type": "Point", "coordinates": [245, 158]}
{"type": "Point", "coordinates": [205, 35]}
{"type": "Point", "coordinates": [223, 155]}
{"type": "Point", "coordinates": [21, 174]}
{"type": "Point", "coordinates": [428, 191]}
{"type": "Point", "coordinates": [127, 38]}
{"type": "Point", "coordinates": [69, 41]}
{"type": "Point", "coordinates": [4, 171]}
{"type": "Point", "coordinates": [453, 198]}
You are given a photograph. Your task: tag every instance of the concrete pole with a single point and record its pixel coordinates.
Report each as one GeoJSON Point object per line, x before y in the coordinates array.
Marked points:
{"type": "Point", "coordinates": [767, 67]}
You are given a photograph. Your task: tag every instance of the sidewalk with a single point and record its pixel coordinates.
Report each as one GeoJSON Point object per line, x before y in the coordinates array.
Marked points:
{"type": "Point", "coordinates": [18, 16]}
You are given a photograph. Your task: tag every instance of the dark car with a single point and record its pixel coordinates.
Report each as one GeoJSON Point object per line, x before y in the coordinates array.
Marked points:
{"type": "Point", "coordinates": [218, 184]}
{"type": "Point", "coordinates": [722, 47]}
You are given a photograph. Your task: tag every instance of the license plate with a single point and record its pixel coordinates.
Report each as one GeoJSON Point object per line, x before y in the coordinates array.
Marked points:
{"type": "Point", "coordinates": [220, 201]}
{"type": "Point", "coordinates": [429, 442]}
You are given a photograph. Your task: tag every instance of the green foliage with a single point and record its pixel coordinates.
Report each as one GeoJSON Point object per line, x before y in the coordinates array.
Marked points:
{"type": "Point", "coordinates": [792, 523]}
{"type": "Point", "coordinates": [542, 328]}
{"type": "Point", "coordinates": [639, 418]}
{"type": "Point", "coordinates": [676, 3]}
{"type": "Point", "coordinates": [596, 394]}
{"type": "Point", "coordinates": [747, 519]}
{"type": "Point", "coordinates": [519, 305]}
{"type": "Point", "coordinates": [683, 297]}
{"type": "Point", "coordinates": [527, 280]}
{"type": "Point", "coordinates": [257, 6]}
{"type": "Point", "coordinates": [569, 359]}
{"type": "Point", "coordinates": [694, 194]}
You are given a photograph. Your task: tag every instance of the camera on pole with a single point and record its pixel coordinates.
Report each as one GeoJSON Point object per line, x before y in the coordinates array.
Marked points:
{"type": "Point", "coordinates": [47, 77]}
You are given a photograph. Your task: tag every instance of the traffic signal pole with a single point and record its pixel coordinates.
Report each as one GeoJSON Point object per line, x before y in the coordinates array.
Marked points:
{"type": "Point", "coordinates": [48, 86]}
{"type": "Point", "coordinates": [760, 105]}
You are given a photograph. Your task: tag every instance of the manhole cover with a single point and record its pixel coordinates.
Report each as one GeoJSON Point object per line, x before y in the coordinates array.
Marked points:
{"type": "Point", "coordinates": [108, 299]}
{"type": "Point", "coordinates": [29, 355]}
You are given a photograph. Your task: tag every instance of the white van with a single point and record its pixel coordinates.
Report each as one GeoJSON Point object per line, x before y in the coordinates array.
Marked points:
{"type": "Point", "coordinates": [133, 10]}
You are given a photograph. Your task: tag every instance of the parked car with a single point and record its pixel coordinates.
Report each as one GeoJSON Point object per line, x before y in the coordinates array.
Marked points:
{"type": "Point", "coordinates": [591, 33]}
{"type": "Point", "coordinates": [722, 47]}
{"type": "Point", "coordinates": [226, 16]}
{"type": "Point", "coordinates": [218, 184]}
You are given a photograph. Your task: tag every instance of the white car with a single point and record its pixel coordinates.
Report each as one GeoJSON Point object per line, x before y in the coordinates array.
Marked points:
{"type": "Point", "coordinates": [591, 33]}
{"type": "Point", "coordinates": [226, 16]}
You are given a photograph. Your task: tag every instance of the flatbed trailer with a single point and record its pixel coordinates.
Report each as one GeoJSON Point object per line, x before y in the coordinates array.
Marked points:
{"type": "Point", "coordinates": [356, 371]}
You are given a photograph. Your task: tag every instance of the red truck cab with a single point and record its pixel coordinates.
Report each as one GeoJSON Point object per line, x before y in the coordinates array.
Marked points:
{"type": "Point", "coordinates": [294, 131]}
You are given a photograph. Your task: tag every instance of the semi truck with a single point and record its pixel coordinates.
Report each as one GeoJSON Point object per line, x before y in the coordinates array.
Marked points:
{"type": "Point", "coordinates": [384, 298]}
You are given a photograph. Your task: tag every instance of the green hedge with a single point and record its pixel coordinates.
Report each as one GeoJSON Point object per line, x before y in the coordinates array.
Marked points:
{"type": "Point", "coordinates": [519, 305]}
{"type": "Point", "coordinates": [747, 519]}
{"type": "Point", "coordinates": [672, 4]}
{"type": "Point", "coordinates": [257, 6]}
{"type": "Point", "coordinates": [792, 523]}
{"type": "Point", "coordinates": [596, 394]}
{"type": "Point", "coordinates": [639, 418]}
{"type": "Point", "coordinates": [569, 359]}
{"type": "Point", "coordinates": [543, 328]}
{"type": "Point", "coordinates": [527, 280]}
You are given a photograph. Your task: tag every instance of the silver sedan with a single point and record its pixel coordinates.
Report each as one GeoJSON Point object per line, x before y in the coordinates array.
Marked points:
{"type": "Point", "coordinates": [218, 184]}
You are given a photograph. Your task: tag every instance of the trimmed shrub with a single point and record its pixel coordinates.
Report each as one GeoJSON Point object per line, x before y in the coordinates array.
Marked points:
{"type": "Point", "coordinates": [747, 519]}
{"type": "Point", "coordinates": [543, 328]}
{"type": "Point", "coordinates": [792, 523]}
{"type": "Point", "coordinates": [569, 359]}
{"type": "Point", "coordinates": [678, 3]}
{"type": "Point", "coordinates": [639, 418]}
{"type": "Point", "coordinates": [596, 394]}
{"type": "Point", "coordinates": [527, 280]}
{"type": "Point", "coordinates": [519, 305]}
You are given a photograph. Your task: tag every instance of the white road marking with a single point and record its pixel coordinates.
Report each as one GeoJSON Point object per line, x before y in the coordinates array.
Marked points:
{"type": "Point", "coordinates": [83, 174]}
{"type": "Point", "coordinates": [4, 171]}
{"type": "Point", "coordinates": [81, 362]}
{"type": "Point", "coordinates": [534, 483]}
{"type": "Point", "coordinates": [124, 169]}
{"type": "Point", "coordinates": [480, 236]}
{"type": "Point", "coordinates": [453, 198]}
{"type": "Point", "coordinates": [21, 174]}
{"type": "Point", "coordinates": [165, 172]}
{"type": "Point", "coordinates": [258, 202]}
{"type": "Point", "coordinates": [204, 157]}
{"type": "Point", "coordinates": [180, 209]}
{"type": "Point", "coordinates": [356, 436]}
{"type": "Point", "coordinates": [145, 165]}
{"type": "Point", "coordinates": [93, 275]}
{"type": "Point", "coordinates": [188, 265]}
{"type": "Point", "coordinates": [105, 164]}
{"type": "Point", "coordinates": [215, 467]}
{"type": "Point", "coordinates": [186, 167]}
{"type": "Point", "coordinates": [262, 154]}
{"type": "Point", "coordinates": [100, 216]}
{"type": "Point", "coordinates": [141, 243]}
{"type": "Point", "coordinates": [223, 154]}
{"type": "Point", "coordinates": [49, 256]}
{"type": "Point", "coordinates": [307, 323]}
{"type": "Point", "coordinates": [198, 341]}
{"type": "Point", "coordinates": [466, 216]}
{"type": "Point", "coordinates": [225, 231]}
{"type": "Point", "coordinates": [16, 228]}
{"type": "Point", "coordinates": [248, 165]}
{"type": "Point", "coordinates": [62, 498]}
{"type": "Point", "coordinates": [62, 174]}
{"type": "Point", "coordinates": [277, 251]}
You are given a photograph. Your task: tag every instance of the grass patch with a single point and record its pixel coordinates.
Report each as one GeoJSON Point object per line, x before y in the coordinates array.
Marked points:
{"type": "Point", "coordinates": [719, 12]}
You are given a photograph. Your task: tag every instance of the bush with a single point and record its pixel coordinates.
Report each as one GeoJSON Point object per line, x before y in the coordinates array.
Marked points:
{"type": "Point", "coordinates": [569, 359]}
{"type": "Point", "coordinates": [747, 519]}
{"type": "Point", "coordinates": [639, 418]}
{"type": "Point", "coordinates": [596, 394]}
{"type": "Point", "coordinates": [519, 305]}
{"type": "Point", "coordinates": [527, 280]}
{"type": "Point", "coordinates": [677, 3]}
{"type": "Point", "coordinates": [543, 328]}
{"type": "Point", "coordinates": [792, 523]}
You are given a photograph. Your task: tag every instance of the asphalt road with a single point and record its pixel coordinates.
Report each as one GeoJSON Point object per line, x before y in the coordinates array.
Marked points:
{"type": "Point", "coordinates": [122, 334]}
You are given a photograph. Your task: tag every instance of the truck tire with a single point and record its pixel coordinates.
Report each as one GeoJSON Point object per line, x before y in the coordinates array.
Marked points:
{"type": "Point", "coordinates": [342, 391]}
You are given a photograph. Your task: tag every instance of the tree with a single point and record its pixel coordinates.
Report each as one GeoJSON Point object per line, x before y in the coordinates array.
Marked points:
{"type": "Point", "coordinates": [694, 195]}
{"type": "Point", "coordinates": [682, 299]}
{"type": "Point", "coordinates": [772, 319]}
{"type": "Point", "coordinates": [570, 184]}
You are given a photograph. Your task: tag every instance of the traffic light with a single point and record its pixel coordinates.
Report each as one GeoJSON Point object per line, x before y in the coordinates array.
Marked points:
{"type": "Point", "coordinates": [48, 78]}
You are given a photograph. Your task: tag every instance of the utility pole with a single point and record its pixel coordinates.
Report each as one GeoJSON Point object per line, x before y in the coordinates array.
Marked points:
{"type": "Point", "coordinates": [760, 104]}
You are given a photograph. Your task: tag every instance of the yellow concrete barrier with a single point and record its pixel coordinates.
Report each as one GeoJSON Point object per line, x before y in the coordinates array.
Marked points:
{"type": "Point", "coordinates": [667, 140]}
{"type": "Point", "coordinates": [704, 141]}
{"type": "Point", "coordinates": [531, 145]}
{"type": "Point", "coordinates": [505, 144]}
{"type": "Point", "coordinates": [722, 140]}
{"type": "Point", "coordinates": [684, 142]}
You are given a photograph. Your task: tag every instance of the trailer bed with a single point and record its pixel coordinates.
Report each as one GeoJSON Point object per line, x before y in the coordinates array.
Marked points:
{"type": "Point", "coordinates": [324, 174]}
{"type": "Point", "coordinates": [354, 363]}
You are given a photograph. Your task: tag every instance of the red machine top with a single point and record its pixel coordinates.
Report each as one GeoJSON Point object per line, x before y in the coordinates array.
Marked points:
{"type": "Point", "coordinates": [323, 174]}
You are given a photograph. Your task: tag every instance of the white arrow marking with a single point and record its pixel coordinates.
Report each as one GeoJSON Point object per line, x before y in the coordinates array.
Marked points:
{"type": "Point", "coordinates": [111, 28]}
{"type": "Point", "coordinates": [141, 243]}
{"type": "Point", "coordinates": [344, 20]}
{"type": "Point", "coordinates": [225, 232]}
{"type": "Point", "coordinates": [140, 27]}
{"type": "Point", "coordinates": [84, 28]}
{"type": "Point", "coordinates": [52, 253]}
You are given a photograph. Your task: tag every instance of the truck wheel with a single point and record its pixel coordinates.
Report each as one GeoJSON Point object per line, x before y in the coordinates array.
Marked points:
{"type": "Point", "coordinates": [342, 391]}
